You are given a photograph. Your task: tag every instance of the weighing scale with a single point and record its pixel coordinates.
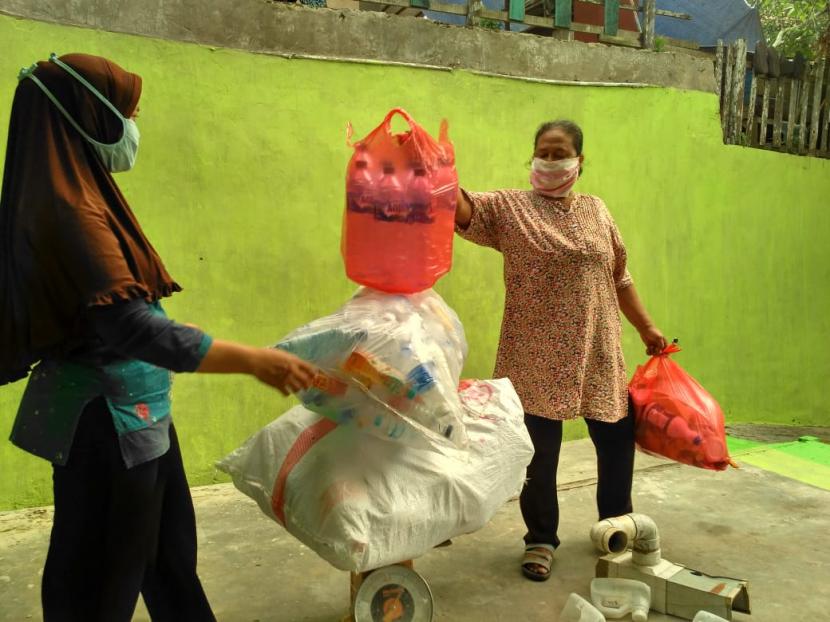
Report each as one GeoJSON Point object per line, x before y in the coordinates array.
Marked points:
{"type": "Point", "coordinates": [391, 594]}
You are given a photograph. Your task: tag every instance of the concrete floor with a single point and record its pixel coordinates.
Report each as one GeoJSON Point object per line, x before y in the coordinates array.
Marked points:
{"type": "Point", "coordinates": [746, 523]}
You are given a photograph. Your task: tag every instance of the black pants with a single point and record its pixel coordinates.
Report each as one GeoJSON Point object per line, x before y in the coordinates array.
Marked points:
{"type": "Point", "coordinates": [614, 443]}
{"type": "Point", "coordinates": [119, 531]}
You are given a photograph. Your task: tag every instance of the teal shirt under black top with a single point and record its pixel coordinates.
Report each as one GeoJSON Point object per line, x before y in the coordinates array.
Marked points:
{"type": "Point", "coordinates": [137, 391]}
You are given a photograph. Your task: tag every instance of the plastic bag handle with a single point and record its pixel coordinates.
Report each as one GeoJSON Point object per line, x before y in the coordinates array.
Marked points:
{"type": "Point", "coordinates": [407, 117]}
{"type": "Point", "coordinates": [387, 124]}
{"type": "Point", "coordinates": [672, 348]}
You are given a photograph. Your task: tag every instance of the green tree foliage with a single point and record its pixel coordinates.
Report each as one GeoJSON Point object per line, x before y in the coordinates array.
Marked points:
{"type": "Point", "coordinates": [792, 26]}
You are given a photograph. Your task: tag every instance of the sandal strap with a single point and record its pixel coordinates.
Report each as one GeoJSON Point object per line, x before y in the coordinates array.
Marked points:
{"type": "Point", "coordinates": [542, 557]}
{"type": "Point", "coordinates": [540, 549]}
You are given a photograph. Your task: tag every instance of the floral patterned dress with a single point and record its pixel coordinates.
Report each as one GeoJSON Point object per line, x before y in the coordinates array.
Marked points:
{"type": "Point", "coordinates": [560, 339]}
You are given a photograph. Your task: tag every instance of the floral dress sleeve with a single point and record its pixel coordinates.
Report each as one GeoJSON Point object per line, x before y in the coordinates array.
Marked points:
{"type": "Point", "coordinates": [485, 228]}
{"type": "Point", "coordinates": [622, 277]}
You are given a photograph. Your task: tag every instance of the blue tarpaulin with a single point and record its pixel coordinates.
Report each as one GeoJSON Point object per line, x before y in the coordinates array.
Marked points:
{"type": "Point", "coordinates": [728, 20]}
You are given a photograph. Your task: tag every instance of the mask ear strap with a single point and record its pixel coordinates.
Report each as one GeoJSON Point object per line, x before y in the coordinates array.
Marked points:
{"type": "Point", "coordinates": [29, 73]}
{"type": "Point", "coordinates": [54, 58]}
{"type": "Point", "coordinates": [63, 111]}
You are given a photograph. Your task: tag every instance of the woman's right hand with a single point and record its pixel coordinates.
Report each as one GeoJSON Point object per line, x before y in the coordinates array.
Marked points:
{"type": "Point", "coordinates": [282, 370]}
{"type": "Point", "coordinates": [274, 367]}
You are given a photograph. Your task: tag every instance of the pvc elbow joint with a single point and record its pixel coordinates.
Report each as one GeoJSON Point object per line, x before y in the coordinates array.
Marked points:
{"type": "Point", "coordinates": [614, 535]}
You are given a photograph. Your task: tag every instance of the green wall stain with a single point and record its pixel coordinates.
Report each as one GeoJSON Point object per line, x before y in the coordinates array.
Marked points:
{"type": "Point", "coordinates": [239, 184]}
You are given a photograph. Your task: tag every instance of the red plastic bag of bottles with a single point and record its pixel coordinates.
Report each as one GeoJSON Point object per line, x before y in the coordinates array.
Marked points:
{"type": "Point", "coordinates": [400, 208]}
{"type": "Point", "coordinates": [675, 417]}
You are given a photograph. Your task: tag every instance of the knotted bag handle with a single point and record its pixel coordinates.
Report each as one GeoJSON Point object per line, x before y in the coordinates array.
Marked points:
{"type": "Point", "coordinates": [415, 132]}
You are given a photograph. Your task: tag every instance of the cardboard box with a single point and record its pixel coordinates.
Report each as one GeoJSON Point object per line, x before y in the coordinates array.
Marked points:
{"type": "Point", "coordinates": [680, 591]}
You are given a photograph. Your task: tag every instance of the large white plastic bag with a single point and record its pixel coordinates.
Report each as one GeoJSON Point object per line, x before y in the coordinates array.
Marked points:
{"type": "Point", "coordinates": [361, 502]}
{"type": "Point", "coordinates": [390, 365]}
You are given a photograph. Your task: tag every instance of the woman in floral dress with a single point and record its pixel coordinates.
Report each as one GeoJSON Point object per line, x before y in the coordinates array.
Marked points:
{"type": "Point", "coordinates": [566, 282]}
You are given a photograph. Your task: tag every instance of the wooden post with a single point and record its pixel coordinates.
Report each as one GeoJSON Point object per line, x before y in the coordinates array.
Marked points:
{"type": "Point", "coordinates": [769, 87]}
{"type": "Point", "coordinates": [817, 93]}
{"type": "Point", "coordinates": [805, 105]}
{"type": "Point", "coordinates": [649, 13]}
{"type": "Point", "coordinates": [726, 109]}
{"type": "Point", "coordinates": [517, 10]}
{"type": "Point", "coordinates": [563, 13]}
{"type": "Point", "coordinates": [826, 132]}
{"type": "Point", "coordinates": [719, 66]}
{"type": "Point", "coordinates": [779, 115]}
{"type": "Point", "coordinates": [473, 11]}
{"type": "Point", "coordinates": [738, 88]}
{"type": "Point", "coordinates": [792, 114]}
{"type": "Point", "coordinates": [751, 139]}
{"type": "Point", "coordinates": [612, 17]}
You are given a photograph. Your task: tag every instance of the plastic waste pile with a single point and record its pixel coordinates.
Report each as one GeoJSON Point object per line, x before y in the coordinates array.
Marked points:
{"type": "Point", "coordinates": [389, 454]}
{"type": "Point", "coordinates": [388, 364]}
{"type": "Point", "coordinates": [362, 502]}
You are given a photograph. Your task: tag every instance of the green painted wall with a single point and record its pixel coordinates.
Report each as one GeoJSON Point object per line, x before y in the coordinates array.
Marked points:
{"type": "Point", "coordinates": [239, 184]}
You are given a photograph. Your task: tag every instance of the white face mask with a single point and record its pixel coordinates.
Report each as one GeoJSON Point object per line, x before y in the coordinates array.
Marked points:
{"type": "Point", "coordinates": [554, 179]}
{"type": "Point", "coordinates": [117, 157]}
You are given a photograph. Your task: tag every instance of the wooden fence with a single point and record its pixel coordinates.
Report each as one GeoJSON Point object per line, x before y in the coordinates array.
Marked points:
{"type": "Point", "coordinates": [788, 113]}
{"type": "Point", "coordinates": [557, 18]}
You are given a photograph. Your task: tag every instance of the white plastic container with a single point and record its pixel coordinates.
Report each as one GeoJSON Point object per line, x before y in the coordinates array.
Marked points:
{"type": "Point", "coordinates": [705, 616]}
{"type": "Point", "coordinates": [577, 609]}
{"type": "Point", "coordinates": [616, 598]}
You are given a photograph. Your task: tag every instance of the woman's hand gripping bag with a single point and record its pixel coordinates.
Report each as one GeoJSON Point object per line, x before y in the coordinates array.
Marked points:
{"type": "Point", "coordinates": [675, 417]}
{"type": "Point", "coordinates": [400, 208]}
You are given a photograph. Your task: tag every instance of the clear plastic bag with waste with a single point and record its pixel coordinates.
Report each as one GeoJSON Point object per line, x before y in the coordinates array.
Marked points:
{"type": "Point", "coordinates": [389, 365]}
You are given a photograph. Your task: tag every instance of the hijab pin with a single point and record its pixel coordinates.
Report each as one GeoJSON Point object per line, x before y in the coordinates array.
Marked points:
{"type": "Point", "coordinates": [25, 72]}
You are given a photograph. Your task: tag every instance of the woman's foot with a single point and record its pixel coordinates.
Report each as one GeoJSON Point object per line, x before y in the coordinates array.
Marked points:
{"type": "Point", "coordinates": [537, 561]}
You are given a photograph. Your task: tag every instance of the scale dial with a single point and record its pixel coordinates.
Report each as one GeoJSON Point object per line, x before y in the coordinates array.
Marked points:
{"type": "Point", "coordinates": [393, 594]}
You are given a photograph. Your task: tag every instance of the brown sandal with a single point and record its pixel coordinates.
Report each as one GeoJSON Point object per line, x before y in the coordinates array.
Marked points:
{"type": "Point", "coordinates": [540, 555]}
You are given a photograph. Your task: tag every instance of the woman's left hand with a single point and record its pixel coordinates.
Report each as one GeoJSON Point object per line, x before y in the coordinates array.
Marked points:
{"type": "Point", "coordinates": [654, 340]}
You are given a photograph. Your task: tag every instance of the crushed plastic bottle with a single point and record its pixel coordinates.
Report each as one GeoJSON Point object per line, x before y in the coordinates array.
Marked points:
{"type": "Point", "coordinates": [577, 609]}
{"type": "Point", "coordinates": [616, 598]}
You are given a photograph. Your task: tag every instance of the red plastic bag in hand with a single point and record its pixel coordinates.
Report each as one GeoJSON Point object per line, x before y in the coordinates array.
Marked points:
{"type": "Point", "coordinates": [675, 417]}
{"type": "Point", "coordinates": [400, 208]}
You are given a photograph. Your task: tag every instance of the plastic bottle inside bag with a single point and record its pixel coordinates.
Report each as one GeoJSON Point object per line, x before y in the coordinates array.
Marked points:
{"type": "Point", "coordinates": [389, 201]}
{"type": "Point", "coordinates": [577, 609]}
{"type": "Point", "coordinates": [419, 195]}
{"type": "Point", "coordinates": [445, 185]}
{"type": "Point", "coordinates": [616, 598]}
{"type": "Point", "coordinates": [360, 184]}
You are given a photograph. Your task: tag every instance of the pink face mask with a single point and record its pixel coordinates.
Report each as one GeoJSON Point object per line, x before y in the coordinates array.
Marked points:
{"type": "Point", "coordinates": [554, 179]}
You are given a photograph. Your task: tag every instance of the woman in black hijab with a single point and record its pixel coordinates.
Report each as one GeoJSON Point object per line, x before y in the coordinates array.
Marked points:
{"type": "Point", "coordinates": [80, 289]}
